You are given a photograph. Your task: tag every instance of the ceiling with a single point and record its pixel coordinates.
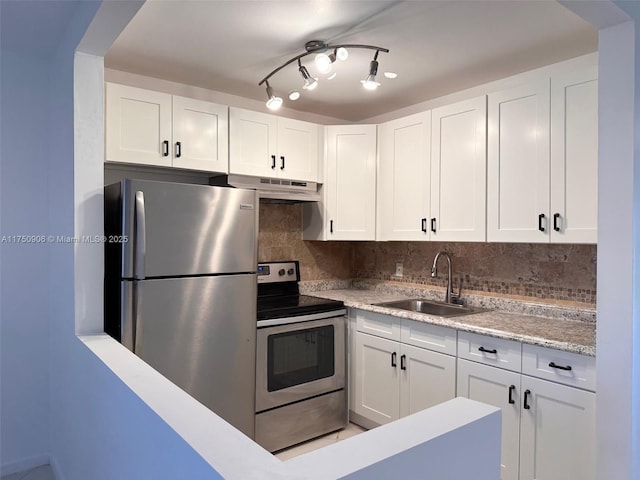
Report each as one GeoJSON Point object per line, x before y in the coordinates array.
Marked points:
{"type": "Point", "coordinates": [436, 47]}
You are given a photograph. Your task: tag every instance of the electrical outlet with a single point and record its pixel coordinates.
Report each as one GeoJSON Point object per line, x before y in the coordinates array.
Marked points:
{"type": "Point", "coordinates": [399, 269]}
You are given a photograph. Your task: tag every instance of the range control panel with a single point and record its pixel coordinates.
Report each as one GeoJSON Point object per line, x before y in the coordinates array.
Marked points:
{"type": "Point", "coordinates": [274, 272]}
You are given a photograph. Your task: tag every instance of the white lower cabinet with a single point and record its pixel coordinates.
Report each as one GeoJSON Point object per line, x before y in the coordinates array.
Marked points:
{"type": "Point", "coordinates": [500, 388]}
{"type": "Point", "coordinates": [392, 379]}
{"type": "Point", "coordinates": [557, 432]}
{"type": "Point", "coordinates": [548, 429]}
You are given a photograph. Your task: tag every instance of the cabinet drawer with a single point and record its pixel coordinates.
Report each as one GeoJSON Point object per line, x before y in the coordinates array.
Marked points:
{"type": "Point", "coordinates": [432, 337]}
{"type": "Point", "coordinates": [384, 326]}
{"type": "Point", "coordinates": [498, 352]}
{"type": "Point", "coordinates": [563, 367]}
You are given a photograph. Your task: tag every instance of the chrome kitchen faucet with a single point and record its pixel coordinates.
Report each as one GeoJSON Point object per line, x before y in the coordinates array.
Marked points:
{"type": "Point", "coordinates": [449, 296]}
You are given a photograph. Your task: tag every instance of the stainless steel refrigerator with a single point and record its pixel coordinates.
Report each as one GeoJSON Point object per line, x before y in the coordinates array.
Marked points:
{"type": "Point", "coordinates": [180, 287]}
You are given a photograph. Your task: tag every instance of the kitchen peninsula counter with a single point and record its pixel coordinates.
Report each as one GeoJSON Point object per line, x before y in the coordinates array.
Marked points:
{"type": "Point", "coordinates": [562, 328]}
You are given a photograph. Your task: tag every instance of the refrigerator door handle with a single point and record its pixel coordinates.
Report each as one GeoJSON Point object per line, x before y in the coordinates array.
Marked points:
{"type": "Point", "coordinates": [131, 325]}
{"type": "Point", "coordinates": [140, 237]}
{"type": "Point", "coordinates": [128, 314]}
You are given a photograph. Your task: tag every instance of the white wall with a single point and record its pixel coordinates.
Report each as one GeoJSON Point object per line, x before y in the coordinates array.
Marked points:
{"type": "Point", "coordinates": [24, 300]}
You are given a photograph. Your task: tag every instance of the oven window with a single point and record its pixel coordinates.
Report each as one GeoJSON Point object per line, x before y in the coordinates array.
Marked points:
{"type": "Point", "coordinates": [300, 356]}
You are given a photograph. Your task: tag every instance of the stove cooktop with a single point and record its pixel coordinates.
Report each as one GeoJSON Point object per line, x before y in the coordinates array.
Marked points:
{"type": "Point", "coordinates": [281, 306]}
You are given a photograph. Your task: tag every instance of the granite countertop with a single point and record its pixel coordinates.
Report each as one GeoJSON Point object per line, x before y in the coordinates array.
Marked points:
{"type": "Point", "coordinates": [557, 332]}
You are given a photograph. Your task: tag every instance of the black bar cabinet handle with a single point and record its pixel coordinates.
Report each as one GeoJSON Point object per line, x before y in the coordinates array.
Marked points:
{"type": "Point", "coordinates": [165, 148]}
{"type": "Point", "coordinates": [282, 160]}
{"type": "Point", "coordinates": [526, 398]}
{"type": "Point", "coordinates": [424, 225]}
{"type": "Point", "coordinates": [178, 149]}
{"type": "Point", "coordinates": [511, 389]}
{"type": "Point", "coordinates": [273, 162]}
{"type": "Point", "coordinates": [540, 219]}
{"type": "Point", "coordinates": [403, 362]}
{"type": "Point", "coordinates": [433, 225]}
{"type": "Point", "coordinates": [330, 226]}
{"type": "Point", "coordinates": [567, 368]}
{"type": "Point", "coordinates": [484, 350]}
{"type": "Point", "coordinates": [393, 360]}
{"type": "Point", "coordinates": [556, 216]}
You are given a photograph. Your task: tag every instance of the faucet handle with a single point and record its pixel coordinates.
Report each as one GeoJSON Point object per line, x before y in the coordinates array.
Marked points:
{"type": "Point", "coordinates": [455, 297]}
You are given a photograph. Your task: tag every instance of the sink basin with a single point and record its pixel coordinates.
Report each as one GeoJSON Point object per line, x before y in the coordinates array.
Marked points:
{"type": "Point", "coordinates": [430, 307]}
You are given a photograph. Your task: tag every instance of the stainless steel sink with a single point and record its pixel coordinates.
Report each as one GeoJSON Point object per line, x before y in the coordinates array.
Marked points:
{"type": "Point", "coordinates": [430, 307]}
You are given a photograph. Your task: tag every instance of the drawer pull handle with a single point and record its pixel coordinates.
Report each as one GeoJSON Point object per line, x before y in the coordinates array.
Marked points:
{"type": "Point", "coordinates": [526, 397]}
{"type": "Point", "coordinates": [403, 362]}
{"type": "Point", "coordinates": [484, 350]}
{"type": "Point", "coordinates": [560, 367]}
{"type": "Point", "coordinates": [393, 360]}
{"type": "Point", "coordinates": [424, 225]}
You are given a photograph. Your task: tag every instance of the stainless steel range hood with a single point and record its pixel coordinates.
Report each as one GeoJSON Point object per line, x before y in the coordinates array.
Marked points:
{"type": "Point", "coordinates": [272, 188]}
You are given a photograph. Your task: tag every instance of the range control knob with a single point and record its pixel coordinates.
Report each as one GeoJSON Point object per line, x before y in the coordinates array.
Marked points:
{"type": "Point", "coordinates": [281, 272]}
{"type": "Point", "coordinates": [290, 271]}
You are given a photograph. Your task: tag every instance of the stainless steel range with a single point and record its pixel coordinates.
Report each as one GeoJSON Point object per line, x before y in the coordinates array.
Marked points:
{"type": "Point", "coordinates": [300, 361]}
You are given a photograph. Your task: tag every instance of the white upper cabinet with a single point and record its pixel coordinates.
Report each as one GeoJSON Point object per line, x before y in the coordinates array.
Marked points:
{"type": "Point", "coordinates": [154, 128]}
{"type": "Point", "coordinates": [404, 178]}
{"type": "Point", "coordinates": [458, 171]}
{"type": "Point", "coordinates": [543, 161]}
{"type": "Point", "coordinates": [268, 146]}
{"type": "Point", "coordinates": [347, 210]}
{"type": "Point", "coordinates": [252, 143]}
{"type": "Point", "coordinates": [432, 174]}
{"type": "Point", "coordinates": [574, 157]}
{"type": "Point", "coordinates": [518, 164]}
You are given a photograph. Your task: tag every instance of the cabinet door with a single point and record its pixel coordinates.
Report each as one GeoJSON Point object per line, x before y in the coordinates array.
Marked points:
{"type": "Point", "coordinates": [404, 178]}
{"type": "Point", "coordinates": [138, 126]}
{"type": "Point", "coordinates": [574, 157]}
{"type": "Point", "coordinates": [458, 171]}
{"type": "Point", "coordinates": [200, 135]}
{"type": "Point", "coordinates": [252, 143]}
{"type": "Point", "coordinates": [499, 388]}
{"type": "Point", "coordinates": [518, 164]}
{"type": "Point", "coordinates": [350, 182]}
{"type": "Point", "coordinates": [297, 150]}
{"type": "Point", "coordinates": [377, 381]}
{"type": "Point", "coordinates": [426, 379]}
{"type": "Point", "coordinates": [557, 438]}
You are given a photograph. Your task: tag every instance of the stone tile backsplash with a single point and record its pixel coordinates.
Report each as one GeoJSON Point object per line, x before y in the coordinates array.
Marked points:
{"type": "Point", "coordinates": [553, 273]}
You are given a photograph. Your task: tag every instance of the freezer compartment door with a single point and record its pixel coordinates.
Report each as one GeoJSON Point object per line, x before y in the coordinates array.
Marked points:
{"type": "Point", "coordinates": [200, 333]}
{"type": "Point", "coordinates": [175, 229]}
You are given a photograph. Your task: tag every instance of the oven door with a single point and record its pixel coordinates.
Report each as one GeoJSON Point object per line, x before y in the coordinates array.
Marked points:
{"type": "Point", "coordinates": [299, 360]}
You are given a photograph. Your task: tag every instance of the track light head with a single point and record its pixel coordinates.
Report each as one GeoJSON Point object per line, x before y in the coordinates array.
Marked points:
{"type": "Point", "coordinates": [370, 82]}
{"type": "Point", "coordinates": [273, 103]}
{"type": "Point", "coordinates": [310, 83]}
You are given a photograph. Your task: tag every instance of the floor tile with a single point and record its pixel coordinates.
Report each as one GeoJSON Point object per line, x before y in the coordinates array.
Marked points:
{"type": "Point", "coordinates": [319, 442]}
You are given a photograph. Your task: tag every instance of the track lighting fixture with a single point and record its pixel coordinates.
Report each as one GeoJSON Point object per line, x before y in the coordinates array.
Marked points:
{"type": "Point", "coordinates": [323, 63]}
